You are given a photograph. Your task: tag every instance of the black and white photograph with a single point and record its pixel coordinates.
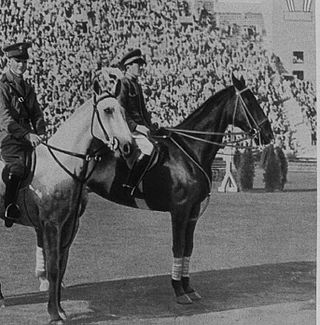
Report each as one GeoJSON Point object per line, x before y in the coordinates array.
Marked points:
{"type": "Point", "coordinates": [158, 162]}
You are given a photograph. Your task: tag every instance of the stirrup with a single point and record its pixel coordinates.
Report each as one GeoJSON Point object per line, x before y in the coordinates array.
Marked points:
{"type": "Point", "coordinates": [12, 212]}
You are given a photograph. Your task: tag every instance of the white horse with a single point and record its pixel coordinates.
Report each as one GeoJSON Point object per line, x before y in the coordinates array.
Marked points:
{"type": "Point", "coordinates": [57, 195]}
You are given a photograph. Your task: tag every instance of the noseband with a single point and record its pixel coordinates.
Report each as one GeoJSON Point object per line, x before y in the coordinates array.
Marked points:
{"type": "Point", "coordinates": [255, 128]}
{"type": "Point", "coordinates": [96, 113]}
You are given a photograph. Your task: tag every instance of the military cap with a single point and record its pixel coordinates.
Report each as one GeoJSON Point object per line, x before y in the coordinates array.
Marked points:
{"type": "Point", "coordinates": [131, 57]}
{"type": "Point", "coordinates": [18, 50]}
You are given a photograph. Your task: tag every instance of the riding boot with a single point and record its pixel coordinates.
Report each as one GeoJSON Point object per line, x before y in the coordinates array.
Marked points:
{"type": "Point", "coordinates": [12, 211]}
{"type": "Point", "coordinates": [137, 172]}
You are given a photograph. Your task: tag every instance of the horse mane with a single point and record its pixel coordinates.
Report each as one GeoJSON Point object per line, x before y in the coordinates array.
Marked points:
{"type": "Point", "coordinates": [72, 123]}
{"type": "Point", "coordinates": [83, 107]}
{"type": "Point", "coordinates": [204, 109]}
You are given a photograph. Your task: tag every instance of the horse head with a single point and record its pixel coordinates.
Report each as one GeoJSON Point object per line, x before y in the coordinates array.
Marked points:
{"type": "Point", "coordinates": [248, 115]}
{"type": "Point", "coordinates": [109, 124]}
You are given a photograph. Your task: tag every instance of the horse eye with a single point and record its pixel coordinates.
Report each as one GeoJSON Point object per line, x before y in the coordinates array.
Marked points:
{"type": "Point", "coordinates": [109, 110]}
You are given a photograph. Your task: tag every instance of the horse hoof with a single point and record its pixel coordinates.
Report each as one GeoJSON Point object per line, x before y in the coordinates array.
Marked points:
{"type": "Point", "coordinates": [184, 300]}
{"type": "Point", "coordinates": [194, 296]}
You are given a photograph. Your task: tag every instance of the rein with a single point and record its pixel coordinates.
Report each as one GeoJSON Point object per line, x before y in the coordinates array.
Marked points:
{"type": "Point", "coordinates": [248, 135]}
{"type": "Point", "coordinates": [86, 157]}
{"type": "Point", "coordinates": [185, 133]}
{"type": "Point", "coordinates": [198, 165]}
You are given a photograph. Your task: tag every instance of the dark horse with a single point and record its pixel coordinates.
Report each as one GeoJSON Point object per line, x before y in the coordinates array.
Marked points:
{"type": "Point", "coordinates": [182, 179]}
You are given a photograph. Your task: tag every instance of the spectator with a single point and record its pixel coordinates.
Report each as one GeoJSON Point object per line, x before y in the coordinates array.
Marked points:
{"type": "Point", "coordinates": [186, 62]}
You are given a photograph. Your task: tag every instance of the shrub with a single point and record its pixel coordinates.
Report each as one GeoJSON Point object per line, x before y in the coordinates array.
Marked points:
{"type": "Point", "coordinates": [283, 167]}
{"type": "Point", "coordinates": [246, 170]}
{"type": "Point", "coordinates": [271, 165]}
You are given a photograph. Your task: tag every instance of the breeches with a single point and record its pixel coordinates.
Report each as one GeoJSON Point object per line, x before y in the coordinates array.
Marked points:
{"type": "Point", "coordinates": [143, 143]}
{"type": "Point", "coordinates": [14, 157]}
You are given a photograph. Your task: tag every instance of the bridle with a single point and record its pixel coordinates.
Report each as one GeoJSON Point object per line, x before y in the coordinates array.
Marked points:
{"type": "Point", "coordinates": [112, 143]}
{"type": "Point", "coordinates": [255, 127]}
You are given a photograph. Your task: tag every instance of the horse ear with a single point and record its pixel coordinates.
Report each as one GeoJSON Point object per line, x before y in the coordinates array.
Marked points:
{"type": "Point", "coordinates": [96, 87]}
{"type": "Point", "coordinates": [242, 81]}
{"type": "Point", "coordinates": [234, 79]}
{"type": "Point", "coordinates": [236, 82]}
{"type": "Point", "coordinates": [117, 88]}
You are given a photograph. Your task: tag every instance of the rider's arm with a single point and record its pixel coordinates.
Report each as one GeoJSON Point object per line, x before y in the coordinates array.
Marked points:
{"type": "Point", "coordinates": [36, 115]}
{"type": "Point", "coordinates": [122, 93]}
{"type": "Point", "coordinates": [7, 122]}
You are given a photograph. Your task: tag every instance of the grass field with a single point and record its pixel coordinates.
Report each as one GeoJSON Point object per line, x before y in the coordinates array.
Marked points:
{"type": "Point", "coordinates": [238, 233]}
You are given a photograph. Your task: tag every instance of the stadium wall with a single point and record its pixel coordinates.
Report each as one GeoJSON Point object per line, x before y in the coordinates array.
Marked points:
{"type": "Point", "coordinates": [288, 25]}
{"type": "Point", "coordinates": [293, 36]}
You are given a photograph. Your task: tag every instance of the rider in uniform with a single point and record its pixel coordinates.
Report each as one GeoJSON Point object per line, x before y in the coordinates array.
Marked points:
{"type": "Point", "coordinates": [21, 124]}
{"type": "Point", "coordinates": [130, 96]}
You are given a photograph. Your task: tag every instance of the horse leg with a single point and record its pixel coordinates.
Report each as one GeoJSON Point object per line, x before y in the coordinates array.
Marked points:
{"type": "Point", "coordinates": [185, 278]}
{"type": "Point", "coordinates": [178, 235]}
{"type": "Point", "coordinates": [40, 270]}
{"type": "Point", "coordinates": [52, 237]}
{"type": "Point", "coordinates": [73, 225]}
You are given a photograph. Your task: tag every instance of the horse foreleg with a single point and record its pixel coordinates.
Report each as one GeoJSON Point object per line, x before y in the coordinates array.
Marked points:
{"type": "Point", "coordinates": [41, 270]}
{"type": "Point", "coordinates": [178, 247]}
{"type": "Point", "coordinates": [186, 261]}
{"type": "Point", "coordinates": [72, 224]}
{"type": "Point", "coordinates": [52, 237]}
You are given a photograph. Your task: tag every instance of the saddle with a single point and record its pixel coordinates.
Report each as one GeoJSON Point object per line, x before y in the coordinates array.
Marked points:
{"type": "Point", "coordinates": [30, 165]}
{"type": "Point", "coordinates": [156, 159]}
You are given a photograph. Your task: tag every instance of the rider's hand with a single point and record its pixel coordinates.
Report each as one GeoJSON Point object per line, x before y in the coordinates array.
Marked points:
{"type": "Point", "coordinates": [142, 129]}
{"type": "Point", "coordinates": [33, 138]}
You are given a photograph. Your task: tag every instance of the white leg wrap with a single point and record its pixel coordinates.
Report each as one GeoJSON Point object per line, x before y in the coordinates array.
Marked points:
{"type": "Point", "coordinates": [185, 266]}
{"type": "Point", "coordinates": [177, 269]}
{"type": "Point", "coordinates": [40, 265]}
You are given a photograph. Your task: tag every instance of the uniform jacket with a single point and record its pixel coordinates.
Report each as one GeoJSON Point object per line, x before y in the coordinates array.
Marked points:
{"type": "Point", "coordinates": [20, 113]}
{"type": "Point", "coordinates": [130, 96]}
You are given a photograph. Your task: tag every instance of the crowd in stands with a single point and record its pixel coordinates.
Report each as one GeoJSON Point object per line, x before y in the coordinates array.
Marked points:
{"type": "Point", "coordinates": [186, 62]}
{"type": "Point", "coordinates": [305, 95]}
